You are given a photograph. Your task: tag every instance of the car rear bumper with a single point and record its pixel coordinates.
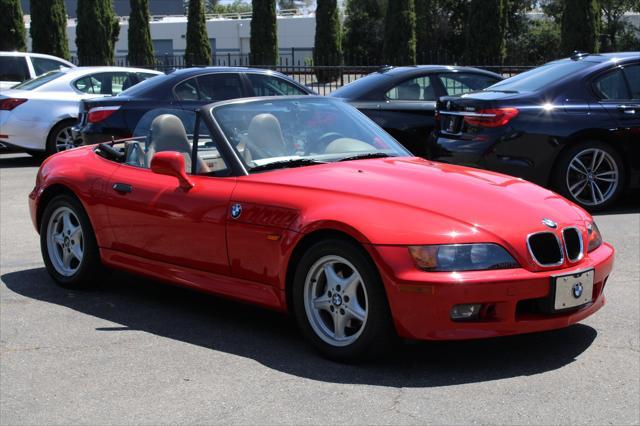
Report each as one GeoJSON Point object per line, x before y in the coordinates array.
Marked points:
{"type": "Point", "coordinates": [421, 302]}
{"type": "Point", "coordinates": [506, 157]}
{"type": "Point", "coordinates": [90, 134]}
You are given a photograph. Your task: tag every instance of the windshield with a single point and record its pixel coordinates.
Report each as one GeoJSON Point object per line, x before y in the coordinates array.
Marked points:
{"type": "Point", "coordinates": [39, 81]}
{"type": "Point", "coordinates": [539, 77]}
{"type": "Point", "coordinates": [300, 131]}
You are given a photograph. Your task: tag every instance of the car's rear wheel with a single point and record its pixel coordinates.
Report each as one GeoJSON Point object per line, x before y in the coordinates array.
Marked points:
{"type": "Point", "coordinates": [68, 245]}
{"type": "Point", "coordinates": [590, 174]}
{"type": "Point", "coordinates": [60, 138]}
{"type": "Point", "coordinates": [340, 302]}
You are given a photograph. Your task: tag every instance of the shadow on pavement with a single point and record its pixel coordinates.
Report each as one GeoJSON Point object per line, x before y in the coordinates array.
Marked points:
{"type": "Point", "coordinates": [8, 161]}
{"type": "Point", "coordinates": [273, 340]}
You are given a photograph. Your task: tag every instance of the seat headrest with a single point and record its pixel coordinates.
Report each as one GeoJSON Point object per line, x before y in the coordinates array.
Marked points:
{"type": "Point", "coordinates": [409, 91]}
{"type": "Point", "coordinates": [265, 132]}
{"type": "Point", "coordinates": [168, 134]}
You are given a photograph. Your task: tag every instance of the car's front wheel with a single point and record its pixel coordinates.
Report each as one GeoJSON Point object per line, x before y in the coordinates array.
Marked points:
{"type": "Point", "coordinates": [68, 245]}
{"type": "Point", "coordinates": [340, 302]}
{"type": "Point", "coordinates": [590, 174]}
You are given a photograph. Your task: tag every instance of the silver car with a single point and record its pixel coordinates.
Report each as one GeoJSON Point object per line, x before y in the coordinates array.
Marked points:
{"type": "Point", "coordinates": [16, 67]}
{"type": "Point", "coordinates": [37, 116]}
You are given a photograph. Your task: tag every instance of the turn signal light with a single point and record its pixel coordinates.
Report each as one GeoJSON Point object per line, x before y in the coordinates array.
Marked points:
{"type": "Point", "coordinates": [493, 117]}
{"type": "Point", "coordinates": [9, 104]}
{"type": "Point", "coordinates": [98, 114]}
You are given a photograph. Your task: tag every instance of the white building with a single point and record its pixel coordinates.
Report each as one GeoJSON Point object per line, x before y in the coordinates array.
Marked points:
{"type": "Point", "coordinates": [229, 36]}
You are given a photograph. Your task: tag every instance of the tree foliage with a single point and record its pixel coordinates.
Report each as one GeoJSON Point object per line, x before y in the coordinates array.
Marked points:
{"type": "Point", "coordinates": [198, 50]}
{"type": "Point", "coordinates": [364, 32]}
{"type": "Point", "coordinates": [264, 33]}
{"type": "Point", "coordinates": [48, 28]}
{"type": "Point", "coordinates": [139, 35]}
{"type": "Point", "coordinates": [400, 33]}
{"type": "Point", "coordinates": [12, 31]}
{"type": "Point", "coordinates": [327, 46]}
{"type": "Point", "coordinates": [237, 6]}
{"type": "Point", "coordinates": [485, 32]}
{"type": "Point", "coordinates": [618, 32]}
{"type": "Point", "coordinates": [97, 31]}
{"type": "Point", "coordinates": [580, 27]}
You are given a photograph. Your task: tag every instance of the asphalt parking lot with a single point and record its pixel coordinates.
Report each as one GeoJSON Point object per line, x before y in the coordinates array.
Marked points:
{"type": "Point", "coordinates": [140, 352]}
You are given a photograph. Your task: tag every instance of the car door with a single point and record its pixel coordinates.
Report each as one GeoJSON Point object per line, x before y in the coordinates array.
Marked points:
{"type": "Point", "coordinates": [406, 111]}
{"type": "Point", "coordinates": [152, 217]}
{"type": "Point", "coordinates": [618, 91]}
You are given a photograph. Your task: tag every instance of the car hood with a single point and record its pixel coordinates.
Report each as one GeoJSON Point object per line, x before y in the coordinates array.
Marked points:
{"type": "Point", "coordinates": [410, 200]}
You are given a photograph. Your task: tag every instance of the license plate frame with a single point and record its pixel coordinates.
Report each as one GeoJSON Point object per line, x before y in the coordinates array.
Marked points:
{"type": "Point", "coordinates": [564, 290]}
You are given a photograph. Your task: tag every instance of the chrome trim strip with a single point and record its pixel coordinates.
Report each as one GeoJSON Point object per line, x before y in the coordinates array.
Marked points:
{"type": "Point", "coordinates": [564, 238]}
{"type": "Point", "coordinates": [560, 246]}
{"type": "Point", "coordinates": [465, 114]}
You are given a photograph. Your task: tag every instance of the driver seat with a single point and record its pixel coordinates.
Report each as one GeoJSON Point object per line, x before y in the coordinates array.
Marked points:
{"type": "Point", "coordinates": [168, 134]}
{"type": "Point", "coordinates": [264, 138]}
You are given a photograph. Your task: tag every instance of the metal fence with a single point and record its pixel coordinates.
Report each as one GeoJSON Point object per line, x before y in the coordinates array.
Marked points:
{"type": "Point", "coordinates": [295, 66]}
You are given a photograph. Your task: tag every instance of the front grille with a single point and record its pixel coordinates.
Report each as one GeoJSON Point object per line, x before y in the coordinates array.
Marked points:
{"type": "Point", "coordinates": [573, 243]}
{"type": "Point", "coordinates": [545, 248]}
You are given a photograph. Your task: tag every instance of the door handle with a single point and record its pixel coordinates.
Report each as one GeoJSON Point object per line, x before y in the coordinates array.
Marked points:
{"type": "Point", "coordinates": [122, 188]}
{"type": "Point", "coordinates": [628, 109]}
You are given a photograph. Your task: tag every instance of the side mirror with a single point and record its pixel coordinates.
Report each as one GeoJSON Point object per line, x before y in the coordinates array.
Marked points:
{"type": "Point", "coordinates": [171, 163]}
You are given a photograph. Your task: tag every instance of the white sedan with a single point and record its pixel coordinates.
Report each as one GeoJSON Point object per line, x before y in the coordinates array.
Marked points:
{"type": "Point", "coordinates": [37, 115]}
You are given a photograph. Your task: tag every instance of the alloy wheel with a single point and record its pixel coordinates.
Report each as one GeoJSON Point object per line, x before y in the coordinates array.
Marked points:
{"type": "Point", "coordinates": [592, 177]}
{"type": "Point", "coordinates": [65, 241]}
{"type": "Point", "coordinates": [335, 300]}
{"type": "Point", "coordinates": [64, 139]}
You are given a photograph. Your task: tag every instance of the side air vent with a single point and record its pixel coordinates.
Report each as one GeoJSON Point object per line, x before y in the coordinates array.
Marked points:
{"type": "Point", "coordinates": [545, 249]}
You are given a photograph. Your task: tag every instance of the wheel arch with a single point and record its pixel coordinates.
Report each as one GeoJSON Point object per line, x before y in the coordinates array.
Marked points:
{"type": "Point", "coordinates": [57, 122]}
{"type": "Point", "coordinates": [304, 244]}
{"type": "Point", "coordinates": [599, 135]}
{"type": "Point", "coordinates": [49, 194]}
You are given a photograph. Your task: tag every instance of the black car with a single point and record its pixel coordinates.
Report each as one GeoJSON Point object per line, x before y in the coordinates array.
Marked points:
{"type": "Point", "coordinates": [572, 125]}
{"type": "Point", "coordinates": [116, 117]}
{"type": "Point", "coordinates": [402, 100]}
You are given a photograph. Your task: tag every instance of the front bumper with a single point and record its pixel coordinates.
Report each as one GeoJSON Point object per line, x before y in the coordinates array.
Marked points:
{"type": "Point", "coordinates": [421, 302]}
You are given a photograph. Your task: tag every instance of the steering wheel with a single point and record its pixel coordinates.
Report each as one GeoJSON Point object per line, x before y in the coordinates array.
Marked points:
{"type": "Point", "coordinates": [322, 142]}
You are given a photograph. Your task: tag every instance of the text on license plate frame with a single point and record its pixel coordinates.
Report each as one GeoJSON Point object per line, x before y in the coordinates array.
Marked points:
{"type": "Point", "coordinates": [572, 290]}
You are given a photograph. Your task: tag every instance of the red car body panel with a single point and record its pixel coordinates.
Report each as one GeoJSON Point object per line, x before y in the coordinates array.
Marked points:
{"type": "Point", "coordinates": [190, 238]}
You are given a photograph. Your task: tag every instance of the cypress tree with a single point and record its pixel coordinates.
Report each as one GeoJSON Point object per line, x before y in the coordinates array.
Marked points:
{"type": "Point", "coordinates": [198, 51]}
{"type": "Point", "coordinates": [264, 33]}
{"type": "Point", "coordinates": [364, 32]}
{"type": "Point", "coordinates": [400, 33]}
{"type": "Point", "coordinates": [97, 31]}
{"type": "Point", "coordinates": [49, 28]}
{"type": "Point", "coordinates": [12, 30]}
{"type": "Point", "coordinates": [580, 26]}
{"type": "Point", "coordinates": [139, 35]}
{"type": "Point", "coordinates": [327, 44]}
{"type": "Point", "coordinates": [485, 32]}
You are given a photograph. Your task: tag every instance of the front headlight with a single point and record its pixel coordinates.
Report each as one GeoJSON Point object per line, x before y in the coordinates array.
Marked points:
{"type": "Point", "coordinates": [461, 257]}
{"type": "Point", "coordinates": [593, 236]}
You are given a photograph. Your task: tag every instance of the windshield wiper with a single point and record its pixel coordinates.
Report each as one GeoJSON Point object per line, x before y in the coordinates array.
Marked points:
{"type": "Point", "coordinates": [366, 156]}
{"type": "Point", "coordinates": [283, 164]}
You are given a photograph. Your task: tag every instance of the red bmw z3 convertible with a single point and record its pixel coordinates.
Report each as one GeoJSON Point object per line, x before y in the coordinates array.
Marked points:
{"type": "Point", "coordinates": [302, 204]}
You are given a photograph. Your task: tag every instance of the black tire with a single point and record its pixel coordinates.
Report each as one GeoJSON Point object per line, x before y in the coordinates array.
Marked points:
{"type": "Point", "coordinates": [89, 270]}
{"type": "Point", "coordinates": [377, 331]}
{"type": "Point", "coordinates": [564, 177]}
{"type": "Point", "coordinates": [53, 134]}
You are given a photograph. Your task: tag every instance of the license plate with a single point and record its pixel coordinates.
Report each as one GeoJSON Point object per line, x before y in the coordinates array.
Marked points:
{"type": "Point", "coordinates": [450, 124]}
{"type": "Point", "coordinates": [572, 290]}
